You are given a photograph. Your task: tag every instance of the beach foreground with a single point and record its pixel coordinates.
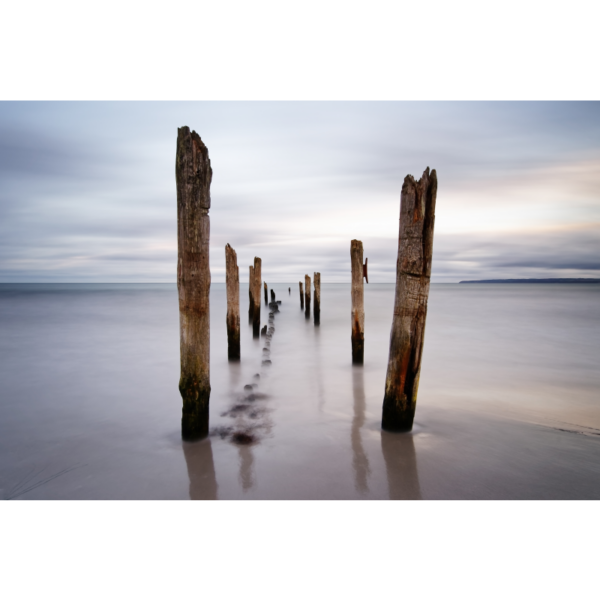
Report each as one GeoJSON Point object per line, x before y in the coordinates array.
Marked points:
{"type": "Point", "coordinates": [508, 404]}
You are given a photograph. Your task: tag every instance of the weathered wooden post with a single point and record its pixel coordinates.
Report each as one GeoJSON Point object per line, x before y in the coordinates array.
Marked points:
{"type": "Point", "coordinates": [251, 295]}
{"type": "Point", "coordinates": [301, 296]}
{"type": "Point", "coordinates": [413, 272]}
{"type": "Point", "coordinates": [273, 295]}
{"type": "Point", "coordinates": [317, 307]}
{"type": "Point", "coordinates": [256, 296]}
{"type": "Point", "coordinates": [358, 302]}
{"type": "Point", "coordinates": [307, 296]}
{"type": "Point", "coordinates": [266, 295]}
{"type": "Point", "coordinates": [193, 176]}
{"type": "Point", "coordinates": [232, 284]}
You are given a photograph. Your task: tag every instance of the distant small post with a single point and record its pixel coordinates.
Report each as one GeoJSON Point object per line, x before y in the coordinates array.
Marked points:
{"type": "Point", "coordinates": [413, 272]}
{"type": "Point", "coordinates": [273, 296]}
{"type": "Point", "coordinates": [266, 295]}
{"type": "Point", "coordinates": [193, 175]}
{"type": "Point", "coordinates": [301, 296]}
{"type": "Point", "coordinates": [232, 284]}
{"type": "Point", "coordinates": [307, 291]}
{"type": "Point", "coordinates": [358, 303]}
{"type": "Point", "coordinates": [317, 307]}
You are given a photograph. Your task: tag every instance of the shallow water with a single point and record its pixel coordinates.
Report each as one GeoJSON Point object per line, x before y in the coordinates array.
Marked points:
{"type": "Point", "coordinates": [508, 403]}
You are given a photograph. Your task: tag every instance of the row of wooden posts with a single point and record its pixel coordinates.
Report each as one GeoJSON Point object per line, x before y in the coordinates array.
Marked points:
{"type": "Point", "coordinates": [413, 270]}
{"type": "Point", "coordinates": [305, 297]}
{"type": "Point", "coordinates": [232, 285]}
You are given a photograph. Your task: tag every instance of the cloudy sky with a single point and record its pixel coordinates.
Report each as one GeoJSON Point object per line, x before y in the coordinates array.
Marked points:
{"type": "Point", "coordinates": [87, 189]}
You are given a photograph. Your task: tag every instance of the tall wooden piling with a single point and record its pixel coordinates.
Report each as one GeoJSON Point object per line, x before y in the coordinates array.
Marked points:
{"type": "Point", "coordinates": [358, 302]}
{"type": "Point", "coordinates": [266, 294]}
{"type": "Point", "coordinates": [193, 176]}
{"type": "Point", "coordinates": [232, 284]}
{"type": "Point", "coordinates": [256, 296]}
{"type": "Point", "coordinates": [317, 305]}
{"type": "Point", "coordinates": [307, 296]}
{"type": "Point", "coordinates": [301, 296]}
{"type": "Point", "coordinates": [251, 295]}
{"type": "Point", "coordinates": [413, 272]}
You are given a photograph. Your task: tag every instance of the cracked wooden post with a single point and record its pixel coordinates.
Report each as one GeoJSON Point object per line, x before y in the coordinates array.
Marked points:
{"type": "Point", "coordinates": [307, 291]}
{"type": "Point", "coordinates": [266, 295]}
{"type": "Point", "coordinates": [251, 295]}
{"type": "Point", "coordinates": [193, 175]}
{"type": "Point", "coordinates": [358, 302]}
{"type": "Point", "coordinates": [256, 297]}
{"type": "Point", "coordinates": [413, 272]}
{"type": "Point", "coordinates": [317, 306]}
{"type": "Point", "coordinates": [301, 296]}
{"type": "Point", "coordinates": [232, 284]}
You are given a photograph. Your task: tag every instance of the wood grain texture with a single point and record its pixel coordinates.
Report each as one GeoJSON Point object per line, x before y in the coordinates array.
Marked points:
{"type": "Point", "coordinates": [413, 272]}
{"type": "Point", "coordinates": [256, 297]}
{"type": "Point", "coordinates": [232, 284]}
{"type": "Point", "coordinates": [193, 176]}
{"type": "Point", "coordinates": [317, 298]}
{"type": "Point", "coordinates": [307, 290]}
{"type": "Point", "coordinates": [358, 303]}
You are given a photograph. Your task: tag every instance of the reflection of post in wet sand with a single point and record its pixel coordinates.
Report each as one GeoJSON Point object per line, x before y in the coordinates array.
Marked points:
{"type": "Point", "coordinates": [246, 467]}
{"type": "Point", "coordinates": [360, 462]}
{"type": "Point", "coordinates": [201, 470]}
{"type": "Point", "coordinates": [320, 393]}
{"type": "Point", "coordinates": [235, 374]}
{"type": "Point", "coordinates": [401, 465]}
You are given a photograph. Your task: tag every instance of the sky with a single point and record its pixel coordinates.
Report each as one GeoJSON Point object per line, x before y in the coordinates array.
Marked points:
{"type": "Point", "coordinates": [87, 189]}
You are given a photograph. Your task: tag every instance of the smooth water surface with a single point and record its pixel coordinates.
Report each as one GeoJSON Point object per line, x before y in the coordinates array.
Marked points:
{"type": "Point", "coordinates": [508, 403]}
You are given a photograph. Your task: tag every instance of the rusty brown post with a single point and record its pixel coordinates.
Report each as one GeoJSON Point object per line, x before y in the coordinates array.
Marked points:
{"type": "Point", "coordinates": [266, 295]}
{"type": "Point", "coordinates": [232, 284]}
{"type": "Point", "coordinates": [358, 303]}
{"type": "Point", "coordinates": [317, 306]}
{"type": "Point", "coordinates": [307, 290]}
{"type": "Point", "coordinates": [193, 176]}
{"type": "Point", "coordinates": [413, 272]}
{"type": "Point", "coordinates": [301, 296]}
{"type": "Point", "coordinates": [256, 296]}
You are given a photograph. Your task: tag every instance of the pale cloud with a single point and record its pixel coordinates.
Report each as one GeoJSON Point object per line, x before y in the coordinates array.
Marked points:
{"type": "Point", "coordinates": [537, 199]}
{"type": "Point", "coordinates": [87, 190]}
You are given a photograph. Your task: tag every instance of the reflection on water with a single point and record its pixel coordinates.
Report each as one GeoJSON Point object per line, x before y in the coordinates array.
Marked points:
{"type": "Point", "coordinates": [320, 390]}
{"type": "Point", "coordinates": [246, 476]}
{"type": "Point", "coordinates": [201, 469]}
{"type": "Point", "coordinates": [235, 374]}
{"type": "Point", "coordinates": [401, 465]}
{"type": "Point", "coordinates": [360, 462]}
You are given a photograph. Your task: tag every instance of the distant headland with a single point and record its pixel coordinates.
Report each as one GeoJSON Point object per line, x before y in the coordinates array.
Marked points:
{"type": "Point", "coordinates": [552, 280]}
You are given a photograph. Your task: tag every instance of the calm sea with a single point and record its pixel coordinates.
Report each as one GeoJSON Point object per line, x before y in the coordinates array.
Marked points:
{"type": "Point", "coordinates": [508, 404]}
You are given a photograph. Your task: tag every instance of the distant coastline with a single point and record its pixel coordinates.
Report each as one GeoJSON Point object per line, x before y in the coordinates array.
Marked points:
{"type": "Point", "coordinates": [552, 280]}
